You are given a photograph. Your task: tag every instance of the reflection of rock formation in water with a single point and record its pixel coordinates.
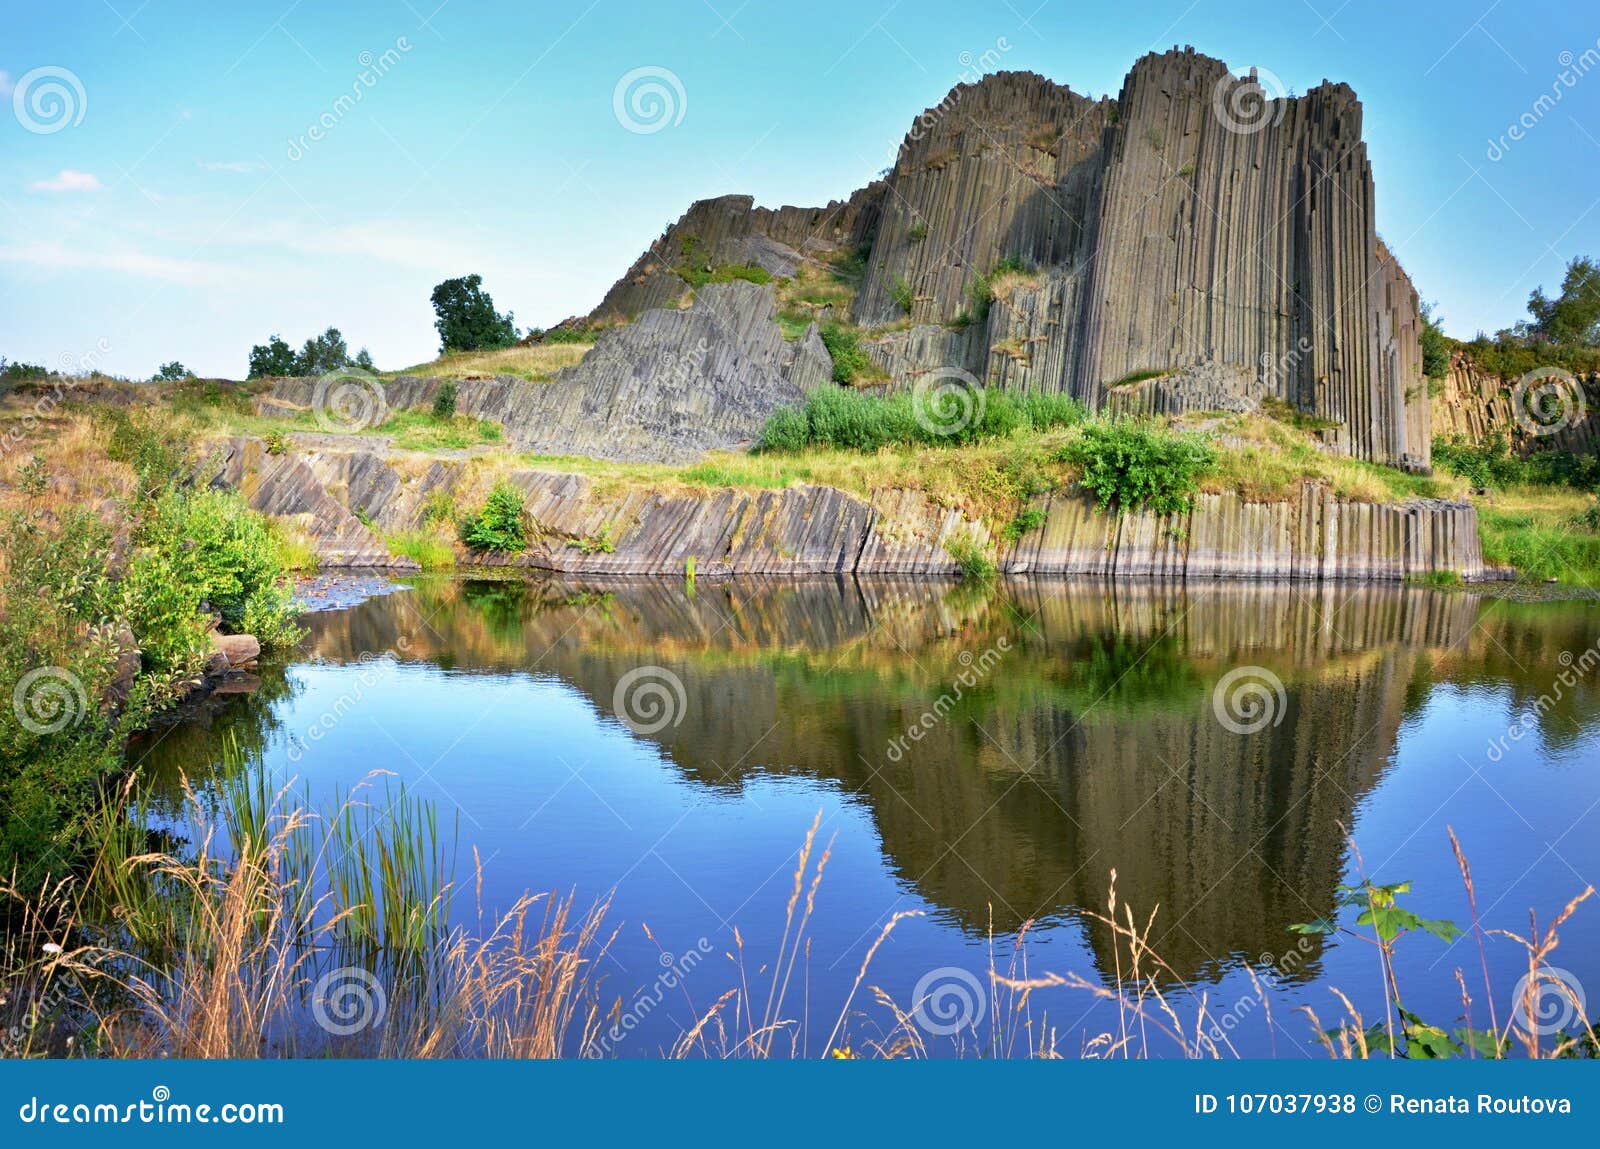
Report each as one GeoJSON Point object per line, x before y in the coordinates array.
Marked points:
{"type": "Point", "coordinates": [1090, 744]}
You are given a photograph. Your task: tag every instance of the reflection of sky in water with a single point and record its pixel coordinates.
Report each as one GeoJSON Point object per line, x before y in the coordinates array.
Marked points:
{"type": "Point", "coordinates": [1018, 805]}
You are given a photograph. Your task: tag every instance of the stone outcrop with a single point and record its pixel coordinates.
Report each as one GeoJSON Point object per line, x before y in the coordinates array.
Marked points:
{"type": "Point", "coordinates": [807, 530]}
{"type": "Point", "coordinates": [1472, 403]}
{"type": "Point", "coordinates": [732, 230]}
{"type": "Point", "coordinates": [1194, 229]}
{"type": "Point", "coordinates": [667, 387]}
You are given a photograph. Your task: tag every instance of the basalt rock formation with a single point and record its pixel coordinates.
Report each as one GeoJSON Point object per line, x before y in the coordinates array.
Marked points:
{"type": "Point", "coordinates": [333, 492]}
{"type": "Point", "coordinates": [1192, 244]}
{"type": "Point", "coordinates": [666, 388]}
{"type": "Point", "coordinates": [1543, 410]}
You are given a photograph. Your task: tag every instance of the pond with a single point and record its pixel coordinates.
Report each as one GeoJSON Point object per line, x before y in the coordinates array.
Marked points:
{"type": "Point", "coordinates": [983, 758]}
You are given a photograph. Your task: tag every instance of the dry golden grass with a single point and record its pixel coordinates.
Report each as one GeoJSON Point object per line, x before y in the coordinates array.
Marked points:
{"type": "Point", "coordinates": [538, 361]}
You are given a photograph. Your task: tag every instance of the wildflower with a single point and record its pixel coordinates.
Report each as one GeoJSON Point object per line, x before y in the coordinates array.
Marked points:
{"type": "Point", "coordinates": [51, 948]}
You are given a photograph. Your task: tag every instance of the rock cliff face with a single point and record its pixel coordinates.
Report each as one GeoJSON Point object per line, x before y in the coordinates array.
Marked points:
{"type": "Point", "coordinates": [805, 530]}
{"type": "Point", "coordinates": [1474, 403]}
{"type": "Point", "coordinates": [1194, 243]}
{"type": "Point", "coordinates": [666, 388]}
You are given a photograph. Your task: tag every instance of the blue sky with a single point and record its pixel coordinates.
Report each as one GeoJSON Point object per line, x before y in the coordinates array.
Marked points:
{"type": "Point", "coordinates": [181, 210]}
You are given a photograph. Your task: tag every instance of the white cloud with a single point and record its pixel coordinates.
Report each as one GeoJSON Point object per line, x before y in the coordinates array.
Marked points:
{"type": "Point", "coordinates": [241, 167]}
{"type": "Point", "coordinates": [68, 181]}
{"type": "Point", "coordinates": [57, 256]}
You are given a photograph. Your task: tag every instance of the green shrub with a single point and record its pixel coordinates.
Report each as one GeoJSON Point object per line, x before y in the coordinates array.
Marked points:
{"type": "Point", "coordinates": [276, 442]}
{"type": "Point", "coordinates": [1133, 465]}
{"type": "Point", "coordinates": [173, 372]}
{"type": "Point", "coordinates": [154, 449]}
{"type": "Point", "coordinates": [850, 363]}
{"type": "Point", "coordinates": [198, 549]}
{"type": "Point", "coordinates": [900, 291]}
{"type": "Point", "coordinates": [917, 232]}
{"type": "Point", "coordinates": [1435, 344]}
{"type": "Point", "coordinates": [974, 561]}
{"type": "Point", "coordinates": [1028, 519]}
{"type": "Point", "coordinates": [860, 421]}
{"type": "Point", "coordinates": [444, 402]}
{"type": "Point", "coordinates": [498, 526]}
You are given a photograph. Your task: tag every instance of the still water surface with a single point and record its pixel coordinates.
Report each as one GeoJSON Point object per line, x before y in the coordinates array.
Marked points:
{"type": "Point", "coordinates": [983, 758]}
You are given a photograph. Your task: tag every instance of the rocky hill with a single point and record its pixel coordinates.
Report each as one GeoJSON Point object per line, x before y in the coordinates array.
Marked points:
{"type": "Point", "coordinates": [1192, 244]}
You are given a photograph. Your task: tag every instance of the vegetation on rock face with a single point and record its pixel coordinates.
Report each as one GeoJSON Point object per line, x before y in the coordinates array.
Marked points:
{"type": "Point", "coordinates": [498, 526]}
{"type": "Point", "coordinates": [467, 320]}
{"type": "Point", "coordinates": [1130, 465]}
{"type": "Point", "coordinates": [1435, 344]}
{"type": "Point", "coordinates": [861, 421]}
{"type": "Point", "coordinates": [1492, 463]}
{"type": "Point", "coordinates": [850, 363]}
{"type": "Point", "coordinates": [444, 401]}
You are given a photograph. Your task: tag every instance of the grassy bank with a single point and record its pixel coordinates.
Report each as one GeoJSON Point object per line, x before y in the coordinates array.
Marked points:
{"type": "Point", "coordinates": [113, 575]}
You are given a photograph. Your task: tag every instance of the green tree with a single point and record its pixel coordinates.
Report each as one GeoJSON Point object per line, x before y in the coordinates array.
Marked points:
{"type": "Point", "coordinates": [173, 372]}
{"type": "Point", "coordinates": [274, 357]}
{"type": "Point", "coordinates": [1572, 319]}
{"type": "Point", "coordinates": [363, 360]}
{"type": "Point", "coordinates": [467, 320]}
{"type": "Point", "coordinates": [1435, 344]}
{"type": "Point", "coordinates": [322, 353]}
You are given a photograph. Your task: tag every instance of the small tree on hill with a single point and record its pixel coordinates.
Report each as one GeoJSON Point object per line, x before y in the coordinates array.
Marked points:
{"type": "Point", "coordinates": [323, 353]}
{"type": "Point", "coordinates": [467, 320]}
{"type": "Point", "coordinates": [274, 357]}
{"type": "Point", "coordinates": [173, 372]}
{"type": "Point", "coordinates": [1572, 319]}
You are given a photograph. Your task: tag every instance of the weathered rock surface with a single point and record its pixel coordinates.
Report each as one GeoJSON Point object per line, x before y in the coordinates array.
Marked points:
{"type": "Point", "coordinates": [1193, 227]}
{"type": "Point", "coordinates": [1474, 403]}
{"type": "Point", "coordinates": [667, 387]}
{"type": "Point", "coordinates": [732, 230]}
{"type": "Point", "coordinates": [814, 530]}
